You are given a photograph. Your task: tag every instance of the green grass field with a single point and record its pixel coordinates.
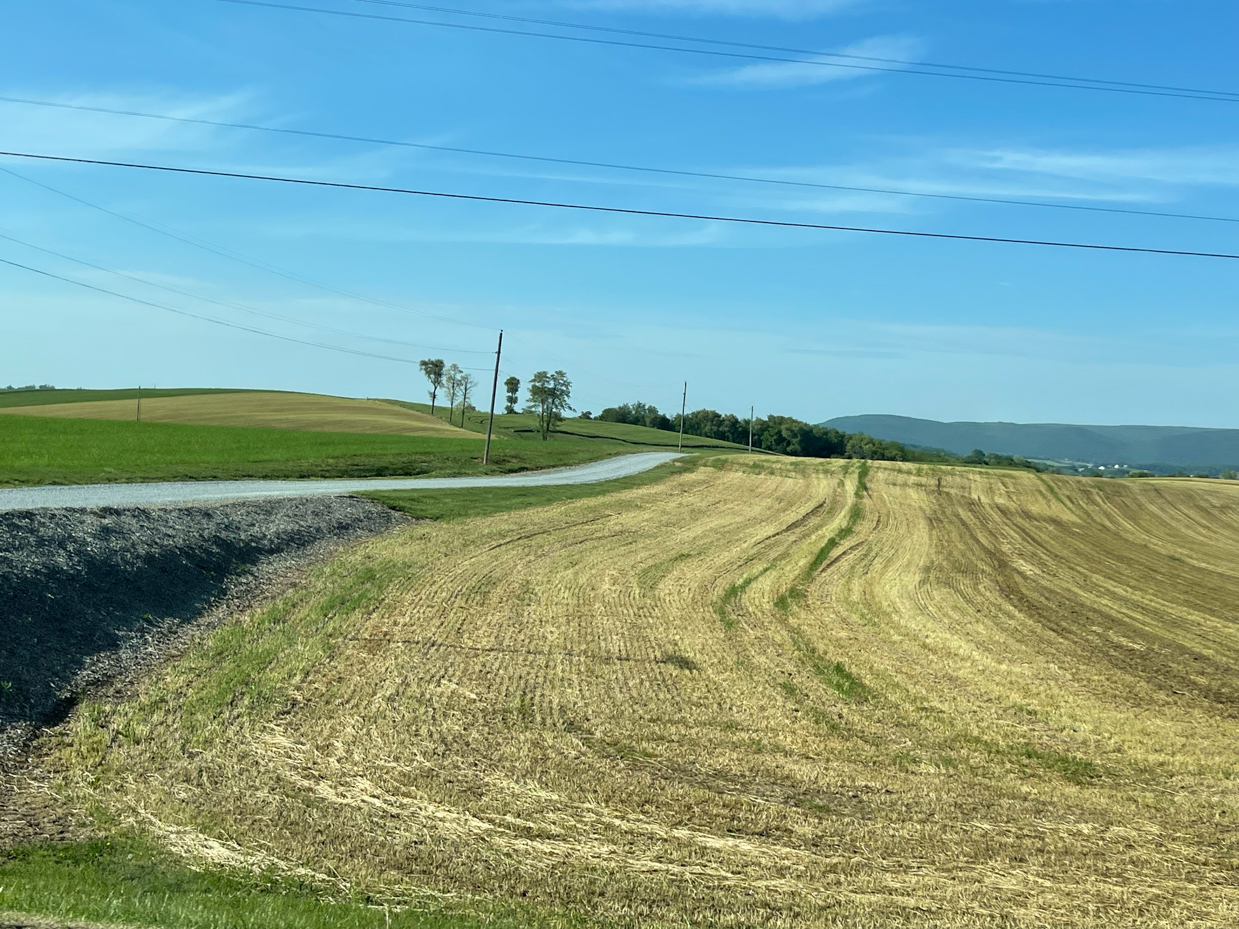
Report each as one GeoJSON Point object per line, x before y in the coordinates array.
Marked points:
{"type": "Point", "coordinates": [65, 450]}
{"type": "Point", "coordinates": [37, 450]}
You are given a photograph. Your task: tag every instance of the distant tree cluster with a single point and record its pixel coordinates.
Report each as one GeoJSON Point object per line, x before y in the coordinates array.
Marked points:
{"type": "Point", "coordinates": [456, 384]}
{"type": "Point", "coordinates": [30, 387]}
{"type": "Point", "coordinates": [783, 435]}
{"type": "Point", "coordinates": [976, 456]}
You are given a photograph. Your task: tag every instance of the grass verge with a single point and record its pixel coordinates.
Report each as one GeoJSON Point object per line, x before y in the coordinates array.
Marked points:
{"type": "Point", "coordinates": [483, 501]}
{"type": "Point", "coordinates": [125, 881]}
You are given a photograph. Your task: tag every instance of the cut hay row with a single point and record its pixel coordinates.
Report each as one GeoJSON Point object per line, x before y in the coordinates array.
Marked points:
{"type": "Point", "coordinates": [263, 409]}
{"type": "Point", "coordinates": [757, 693]}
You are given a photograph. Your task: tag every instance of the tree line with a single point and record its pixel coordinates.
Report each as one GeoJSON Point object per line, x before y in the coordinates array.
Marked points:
{"type": "Point", "coordinates": [549, 395]}
{"type": "Point", "coordinates": [786, 435]}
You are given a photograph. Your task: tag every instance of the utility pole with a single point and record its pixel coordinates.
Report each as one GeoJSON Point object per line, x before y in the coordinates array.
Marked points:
{"type": "Point", "coordinates": [138, 417]}
{"type": "Point", "coordinates": [750, 430]}
{"type": "Point", "coordinates": [683, 407]}
{"type": "Point", "coordinates": [494, 388]}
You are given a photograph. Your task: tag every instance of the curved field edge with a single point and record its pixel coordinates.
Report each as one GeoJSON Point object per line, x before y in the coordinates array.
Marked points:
{"type": "Point", "coordinates": [757, 693]}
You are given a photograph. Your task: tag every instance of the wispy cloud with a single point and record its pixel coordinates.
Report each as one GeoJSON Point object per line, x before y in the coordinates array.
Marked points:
{"type": "Point", "coordinates": [771, 75]}
{"type": "Point", "coordinates": [1212, 165]}
{"type": "Point", "coordinates": [781, 9]}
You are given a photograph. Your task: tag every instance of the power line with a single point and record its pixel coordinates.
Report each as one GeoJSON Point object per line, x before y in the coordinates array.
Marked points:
{"type": "Point", "coordinates": [796, 51]}
{"type": "Point", "coordinates": [626, 211]}
{"type": "Point", "coordinates": [209, 319]}
{"type": "Point", "coordinates": [580, 163]}
{"type": "Point", "coordinates": [1221, 96]}
{"type": "Point", "coordinates": [227, 253]}
{"type": "Point", "coordinates": [231, 255]}
{"type": "Point", "coordinates": [236, 306]}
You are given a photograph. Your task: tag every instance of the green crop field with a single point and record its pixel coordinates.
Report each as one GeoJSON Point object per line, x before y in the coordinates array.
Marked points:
{"type": "Point", "coordinates": [39, 450]}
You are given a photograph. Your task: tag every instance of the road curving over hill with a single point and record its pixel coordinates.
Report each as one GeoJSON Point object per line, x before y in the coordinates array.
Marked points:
{"type": "Point", "coordinates": [183, 492]}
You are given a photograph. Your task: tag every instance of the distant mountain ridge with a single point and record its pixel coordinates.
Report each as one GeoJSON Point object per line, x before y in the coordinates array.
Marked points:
{"type": "Point", "coordinates": [1154, 447]}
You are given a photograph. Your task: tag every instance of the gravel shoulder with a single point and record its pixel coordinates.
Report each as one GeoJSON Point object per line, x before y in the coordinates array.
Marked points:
{"type": "Point", "coordinates": [90, 598]}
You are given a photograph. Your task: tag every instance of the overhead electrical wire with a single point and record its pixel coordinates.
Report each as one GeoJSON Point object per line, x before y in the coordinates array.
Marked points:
{"type": "Point", "coordinates": [625, 211]}
{"type": "Point", "coordinates": [227, 253]}
{"type": "Point", "coordinates": [581, 163]}
{"type": "Point", "coordinates": [238, 306]}
{"type": "Point", "coordinates": [815, 60]}
{"type": "Point", "coordinates": [209, 319]}
{"type": "Point", "coordinates": [455, 11]}
{"type": "Point", "coordinates": [242, 259]}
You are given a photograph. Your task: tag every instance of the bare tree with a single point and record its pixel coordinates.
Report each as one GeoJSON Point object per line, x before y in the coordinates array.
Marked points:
{"type": "Point", "coordinates": [451, 386]}
{"type": "Point", "coordinates": [433, 369]}
{"type": "Point", "coordinates": [467, 383]}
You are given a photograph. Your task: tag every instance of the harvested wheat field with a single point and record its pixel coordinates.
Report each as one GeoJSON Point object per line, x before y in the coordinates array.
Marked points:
{"type": "Point", "coordinates": [266, 409]}
{"type": "Point", "coordinates": [775, 693]}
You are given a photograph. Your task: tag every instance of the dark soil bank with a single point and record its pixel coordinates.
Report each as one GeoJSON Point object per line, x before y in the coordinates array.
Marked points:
{"type": "Point", "coordinates": [87, 596]}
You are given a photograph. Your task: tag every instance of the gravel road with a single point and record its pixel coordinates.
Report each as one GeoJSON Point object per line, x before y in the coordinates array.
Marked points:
{"type": "Point", "coordinates": [98, 495]}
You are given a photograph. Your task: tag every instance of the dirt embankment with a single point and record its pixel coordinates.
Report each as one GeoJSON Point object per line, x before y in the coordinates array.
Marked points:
{"type": "Point", "coordinates": [92, 597]}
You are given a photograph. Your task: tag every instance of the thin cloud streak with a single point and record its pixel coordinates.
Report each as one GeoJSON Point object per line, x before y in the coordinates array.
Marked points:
{"type": "Point", "coordinates": [776, 75]}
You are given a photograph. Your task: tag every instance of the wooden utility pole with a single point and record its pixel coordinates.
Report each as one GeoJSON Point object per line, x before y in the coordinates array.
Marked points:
{"type": "Point", "coordinates": [750, 430]}
{"type": "Point", "coordinates": [138, 416]}
{"type": "Point", "coordinates": [494, 389]}
{"type": "Point", "coordinates": [683, 406]}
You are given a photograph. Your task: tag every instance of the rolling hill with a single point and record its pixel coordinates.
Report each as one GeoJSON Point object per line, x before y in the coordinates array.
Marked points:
{"type": "Point", "coordinates": [1155, 447]}
{"type": "Point", "coordinates": [261, 409]}
{"type": "Point", "coordinates": [760, 692]}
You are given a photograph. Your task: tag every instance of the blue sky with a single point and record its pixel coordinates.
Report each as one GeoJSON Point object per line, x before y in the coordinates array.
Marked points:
{"type": "Point", "coordinates": [809, 323]}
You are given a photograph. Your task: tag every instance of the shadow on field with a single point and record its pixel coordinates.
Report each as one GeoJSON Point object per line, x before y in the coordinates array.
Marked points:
{"type": "Point", "coordinates": [87, 596]}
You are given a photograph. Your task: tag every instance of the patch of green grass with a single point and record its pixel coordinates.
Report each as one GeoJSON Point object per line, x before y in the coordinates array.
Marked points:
{"type": "Point", "coordinates": [44, 450]}
{"type": "Point", "coordinates": [483, 501]}
{"type": "Point", "coordinates": [833, 674]}
{"type": "Point", "coordinates": [124, 881]}
{"type": "Point", "coordinates": [1071, 767]}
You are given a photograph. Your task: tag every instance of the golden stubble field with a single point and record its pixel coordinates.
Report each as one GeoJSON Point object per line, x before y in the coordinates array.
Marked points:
{"type": "Point", "coordinates": [779, 693]}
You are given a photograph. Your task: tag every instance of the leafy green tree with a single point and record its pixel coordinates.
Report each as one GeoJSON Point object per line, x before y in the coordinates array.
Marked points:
{"type": "Point", "coordinates": [433, 369]}
{"type": "Point", "coordinates": [548, 397]}
{"type": "Point", "coordinates": [513, 388]}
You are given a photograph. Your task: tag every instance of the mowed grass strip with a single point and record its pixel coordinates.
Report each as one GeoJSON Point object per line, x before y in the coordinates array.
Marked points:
{"type": "Point", "coordinates": [486, 501]}
{"type": "Point", "coordinates": [126, 881]}
{"type": "Point", "coordinates": [261, 409]}
{"type": "Point", "coordinates": [982, 708]}
{"type": "Point", "coordinates": [42, 450]}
